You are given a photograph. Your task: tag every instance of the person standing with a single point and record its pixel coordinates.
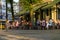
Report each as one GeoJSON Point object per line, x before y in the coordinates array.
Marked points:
{"type": "Point", "coordinates": [17, 25]}
{"type": "Point", "coordinates": [7, 25]}
{"type": "Point", "coordinates": [38, 24]}
{"type": "Point", "coordinates": [50, 23]}
{"type": "Point", "coordinates": [43, 24]}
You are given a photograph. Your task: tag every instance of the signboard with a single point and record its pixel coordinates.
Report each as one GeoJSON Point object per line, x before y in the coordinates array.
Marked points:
{"type": "Point", "coordinates": [3, 9]}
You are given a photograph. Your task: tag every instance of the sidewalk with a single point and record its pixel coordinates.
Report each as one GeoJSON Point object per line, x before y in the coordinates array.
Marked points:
{"type": "Point", "coordinates": [11, 36]}
{"type": "Point", "coordinates": [33, 34]}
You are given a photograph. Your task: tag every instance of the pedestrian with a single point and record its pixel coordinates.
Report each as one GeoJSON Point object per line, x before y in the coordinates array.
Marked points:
{"type": "Point", "coordinates": [30, 25]}
{"type": "Point", "coordinates": [43, 24]}
{"type": "Point", "coordinates": [13, 25]}
{"type": "Point", "coordinates": [23, 24]}
{"type": "Point", "coordinates": [47, 25]}
{"type": "Point", "coordinates": [7, 25]}
{"type": "Point", "coordinates": [58, 24]}
{"type": "Point", "coordinates": [38, 24]}
{"type": "Point", "coordinates": [17, 24]}
{"type": "Point", "coordinates": [50, 23]}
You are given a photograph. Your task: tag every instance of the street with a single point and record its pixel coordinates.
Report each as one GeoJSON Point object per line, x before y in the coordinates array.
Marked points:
{"type": "Point", "coordinates": [29, 19]}
{"type": "Point", "coordinates": [30, 35]}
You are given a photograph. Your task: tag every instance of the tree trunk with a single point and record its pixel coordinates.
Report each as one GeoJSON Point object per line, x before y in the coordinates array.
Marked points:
{"type": "Point", "coordinates": [11, 2]}
{"type": "Point", "coordinates": [32, 16]}
{"type": "Point", "coordinates": [6, 11]}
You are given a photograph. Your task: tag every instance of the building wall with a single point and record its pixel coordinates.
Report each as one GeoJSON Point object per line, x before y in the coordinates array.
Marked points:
{"type": "Point", "coordinates": [54, 13]}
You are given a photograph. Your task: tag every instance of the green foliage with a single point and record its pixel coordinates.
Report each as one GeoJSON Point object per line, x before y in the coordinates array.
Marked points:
{"type": "Point", "coordinates": [25, 4]}
{"type": "Point", "coordinates": [8, 1]}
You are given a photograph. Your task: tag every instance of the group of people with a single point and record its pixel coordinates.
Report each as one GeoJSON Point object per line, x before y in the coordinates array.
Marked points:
{"type": "Point", "coordinates": [40, 24]}
{"type": "Point", "coordinates": [11, 25]}
{"type": "Point", "coordinates": [50, 24]}
{"type": "Point", "coordinates": [18, 24]}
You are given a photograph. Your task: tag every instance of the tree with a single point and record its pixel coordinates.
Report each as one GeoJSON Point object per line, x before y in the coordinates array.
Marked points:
{"type": "Point", "coordinates": [11, 2]}
{"type": "Point", "coordinates": [30, 5]}
{"type": "Point", "coordinates": [6, 11]}
{"type": "Point", "coordinates": [11, 10]}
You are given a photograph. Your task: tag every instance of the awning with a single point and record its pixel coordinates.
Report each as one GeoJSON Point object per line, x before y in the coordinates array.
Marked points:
{"type": "Point", "coordinates": [39, 6]}
{"type": "Point", "coordinates": [51, 4]}
{"type": "Point", "coordinates": [34, 9]}
{"type": "Point", "coordinates": [23, 12]}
